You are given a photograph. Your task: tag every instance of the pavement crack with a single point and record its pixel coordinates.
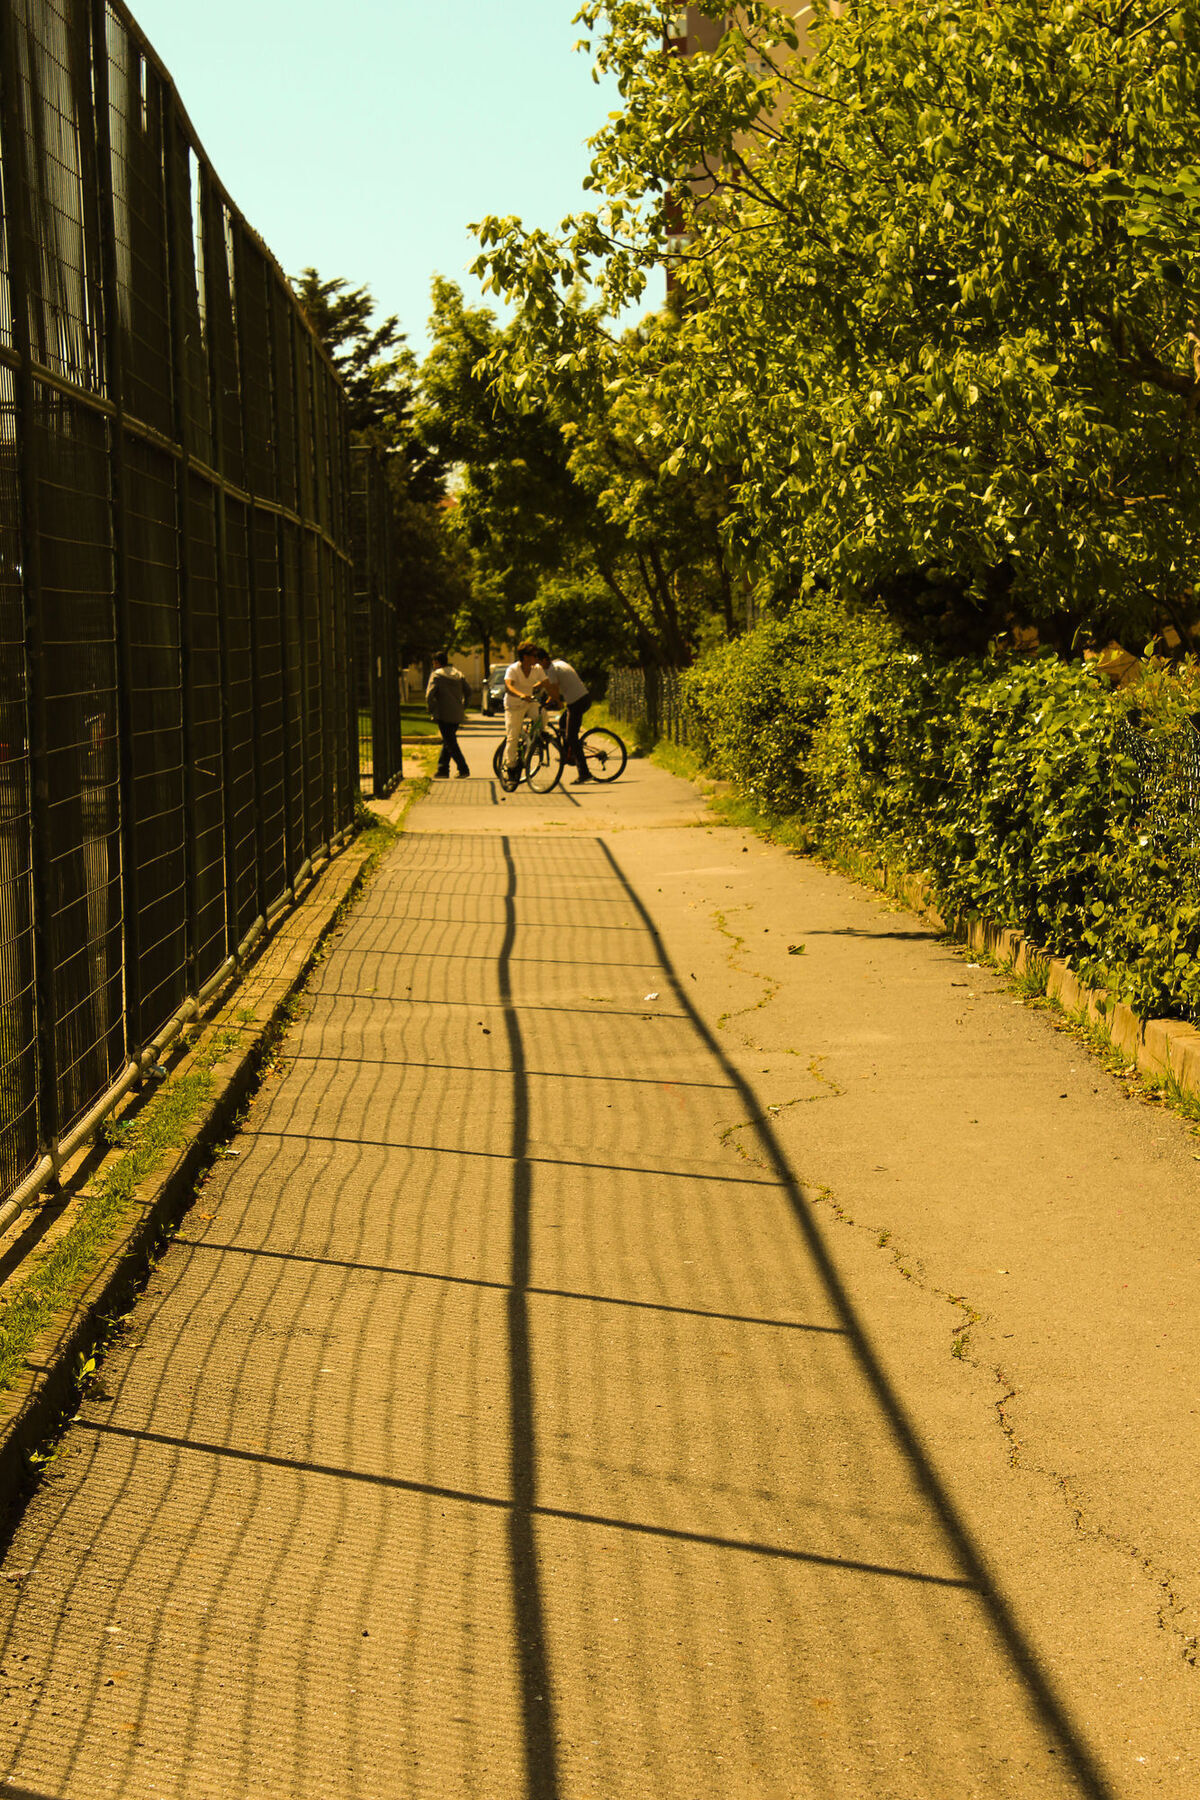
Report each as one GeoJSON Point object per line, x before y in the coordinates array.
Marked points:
{"type": "Point", "coordinates": [769, 1114]}
{"type": "Point", "coordinates": [771, 985]}
{"type": "Point", "coordinates": [1172, 1614]}
{"type": "Point", "coordinates": [912, 1269]}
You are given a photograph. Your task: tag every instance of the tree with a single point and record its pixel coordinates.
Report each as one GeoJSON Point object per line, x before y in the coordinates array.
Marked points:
{"type": "Point", "coordinates": [373, 360]}
{"type": "Point", "coordinates": [939, 332]}
{"type": "Point", "coordinates": [431, 575]}
{"type": "Point", "coordinates": [560, 476]}
{"type": "Point", "coordinates": [578, 610]}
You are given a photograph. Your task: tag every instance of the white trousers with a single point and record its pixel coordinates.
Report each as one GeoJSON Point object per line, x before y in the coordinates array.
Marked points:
{"type": "Point", "coordinates": [515, 714]}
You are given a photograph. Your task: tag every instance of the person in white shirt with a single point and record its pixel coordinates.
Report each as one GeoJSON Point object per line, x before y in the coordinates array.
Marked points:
{"type": "Point", "coordinates": [522, 679]}
{"type": "Point", "coordinates": [566, 687]}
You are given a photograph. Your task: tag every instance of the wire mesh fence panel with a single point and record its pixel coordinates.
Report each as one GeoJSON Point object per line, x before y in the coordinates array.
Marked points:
{"type": "Point", "coordinates": [302, 390]}
{"type": "Point", "coordinates": [294, 696]}
{"type": "Point", "coordinates": [205, 731]}
{"type": "Point", "coordinates": [650, 697]}
{"type": "Point", "coordinates": [1168, 782]}
{"type": "Point", "coordinates": [344, 742]}
{"type": "Point", "coordinates": [190, 335]}
{"type": "Point", "coordinates": [177, 701]}
{"type": "Point", "coordinates": [387, 639]}
{"type": "Point", "coordinates": [139, 206]}
{"type": "Point", "coordinates": [83, 938]}
{"type": "Point", "coordinates": [269, 704]}
{"type": "Point", "coordinates": [320, 448]}
{"type": "Point", "coordinates": [336, 651]}
{"type": "Point", "coordinates": [312, 716]}
{"type": "Point", "coordinates": [364, 639]}
{"type": "Point", "coordinates": [626, 695]}
{"type": "Point", "coordinates": [241, 848]}
{"type": "Point", "coordinates": [673, 709]}
{"type": "Point", "coordinates": [254, 350]}
{"type": "Point", "coordinates": [62, 257]}
{"type": "Point", "coordinates": [283, 394]}
{"type": "Point", "coordinates": [157, 817]}
{"type": "Point", "coordinates": [220, 302]}
{"type": "Point", "coordinates": [326, 588]}
{"type": "Point", "coordinates": [19, 1118]}
{"type": "Point", "coordinates": [6, 292]}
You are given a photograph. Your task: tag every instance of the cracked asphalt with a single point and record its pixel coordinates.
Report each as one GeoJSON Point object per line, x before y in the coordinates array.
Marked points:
{"type": "Point", "coordinates": [671, 1325]}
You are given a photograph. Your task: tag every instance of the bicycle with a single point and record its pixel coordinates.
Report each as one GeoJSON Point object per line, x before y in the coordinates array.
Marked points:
{"type": "Point", "coordinates": [604, 754]}
{"type": "Point", "coordinates": [539, 757]}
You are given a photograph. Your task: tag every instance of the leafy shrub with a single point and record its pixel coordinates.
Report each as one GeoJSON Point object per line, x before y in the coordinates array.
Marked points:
{"type": "Point", "coordinates": [1005, 780]}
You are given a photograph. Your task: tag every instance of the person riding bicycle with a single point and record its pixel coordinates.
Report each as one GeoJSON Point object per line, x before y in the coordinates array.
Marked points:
{"type": "Point", "coordinates": [566, 687]}
{"type": "Point", "coordinates": [522, 681]}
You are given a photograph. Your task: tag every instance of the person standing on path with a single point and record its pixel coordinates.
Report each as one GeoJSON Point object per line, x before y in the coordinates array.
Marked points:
{"type": "Point", "coordinates": [522, 679]}
{"type": "Point", "coordinates": [446, 698]}
{"type": "Point", "coordinates": [566, 686]}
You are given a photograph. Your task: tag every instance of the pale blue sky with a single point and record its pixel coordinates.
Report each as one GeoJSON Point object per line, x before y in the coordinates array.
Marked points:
{"type": "Point", "coordinates": [363, 136]}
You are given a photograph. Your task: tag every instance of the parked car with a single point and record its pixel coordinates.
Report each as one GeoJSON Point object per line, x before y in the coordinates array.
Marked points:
{"type": "Point", "coordinates": [493, 688]}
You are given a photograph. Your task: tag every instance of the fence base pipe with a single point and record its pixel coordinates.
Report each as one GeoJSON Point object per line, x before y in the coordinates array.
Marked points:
{"type": "Point", "coordinates": [65, 1148]}
{"type": "Point", "coordinates": [29, 1190]}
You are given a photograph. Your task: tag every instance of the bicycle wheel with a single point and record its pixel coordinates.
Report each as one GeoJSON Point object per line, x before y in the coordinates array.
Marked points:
{"type": "Point", "coordinates": [544, 768]}
{"type": "Point", "coordinates": [604, 755]}
{"type": "Point", "coordinates": [510, 783]}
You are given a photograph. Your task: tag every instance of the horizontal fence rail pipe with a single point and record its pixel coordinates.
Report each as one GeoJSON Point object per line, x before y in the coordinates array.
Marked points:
{"type": "Point", "coordinates": [178, 720]}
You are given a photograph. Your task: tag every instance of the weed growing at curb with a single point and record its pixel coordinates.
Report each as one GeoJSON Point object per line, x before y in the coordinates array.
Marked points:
{"type": "Point", "coordinates": [164, 1124]}
{"type": "Point", "coordinates": [1152, 1090]}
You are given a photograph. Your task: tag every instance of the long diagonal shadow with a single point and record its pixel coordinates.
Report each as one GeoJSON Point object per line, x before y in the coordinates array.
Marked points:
{"type": "Point", "coordinates": [537, 1708]}
{"type": "Point", "coordinates": [636, 1527]}
{"type": "Point", "coordinates": [1047, 1703]}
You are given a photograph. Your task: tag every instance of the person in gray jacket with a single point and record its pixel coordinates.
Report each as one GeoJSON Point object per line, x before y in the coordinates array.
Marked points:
{"type": "Point", "coordinates": [446, 697]}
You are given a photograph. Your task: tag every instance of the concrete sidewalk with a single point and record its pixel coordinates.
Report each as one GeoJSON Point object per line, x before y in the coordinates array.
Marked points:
{"type": "Point", "coordinates": [509, 1420]}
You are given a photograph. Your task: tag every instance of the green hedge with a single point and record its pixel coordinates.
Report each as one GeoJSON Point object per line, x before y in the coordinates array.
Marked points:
{"type": "Point", "coordinates": [1004, 780]}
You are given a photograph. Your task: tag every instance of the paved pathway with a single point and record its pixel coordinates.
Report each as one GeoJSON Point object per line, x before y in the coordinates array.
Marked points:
{"type": "Point", "coordinates": [508, 1421]}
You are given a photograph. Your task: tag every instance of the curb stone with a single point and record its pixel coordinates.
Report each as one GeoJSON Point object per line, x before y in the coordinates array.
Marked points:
{"type": "Point", "coordinates": [32, 1410]}
{"type": "Point", "coordinates": [1156, 1047]}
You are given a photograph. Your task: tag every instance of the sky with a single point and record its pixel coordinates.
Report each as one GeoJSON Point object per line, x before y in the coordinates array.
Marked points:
{"type": "Point", "coordinates": [364, 136]}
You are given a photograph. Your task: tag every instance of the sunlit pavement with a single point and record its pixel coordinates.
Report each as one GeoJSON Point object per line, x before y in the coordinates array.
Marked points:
{"type": "Point", "coordinates": [506, 1420]}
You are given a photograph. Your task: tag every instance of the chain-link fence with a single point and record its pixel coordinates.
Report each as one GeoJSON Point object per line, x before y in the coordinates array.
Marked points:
{"type": "Point", "coordinates": [376, 638]}
{"type": "Point", "coordinates": [177, 720]}
{"type": "Point", "coordinates": [653, 697]}
{"type": "Point", "coordinates": [1168, 781]}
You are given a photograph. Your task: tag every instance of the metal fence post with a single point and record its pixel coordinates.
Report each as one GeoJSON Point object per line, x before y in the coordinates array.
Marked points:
{"type": "Point", "coordinates": [175, 213]}
{"type": "Point", "coordinates": [260, 838]}
{"type": "Point", "coordinates": [328, 606]}
{"type": "Point", "coordinates": [210, 239]}
{"type": "Point", "coordinates": [291, 862]}
{"type": "Point", "coordinates": [298, 575]}
{"type": "Point", "coordinates": [111, 346]}
{"type": "Point", "coordinates": [16, 199]}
